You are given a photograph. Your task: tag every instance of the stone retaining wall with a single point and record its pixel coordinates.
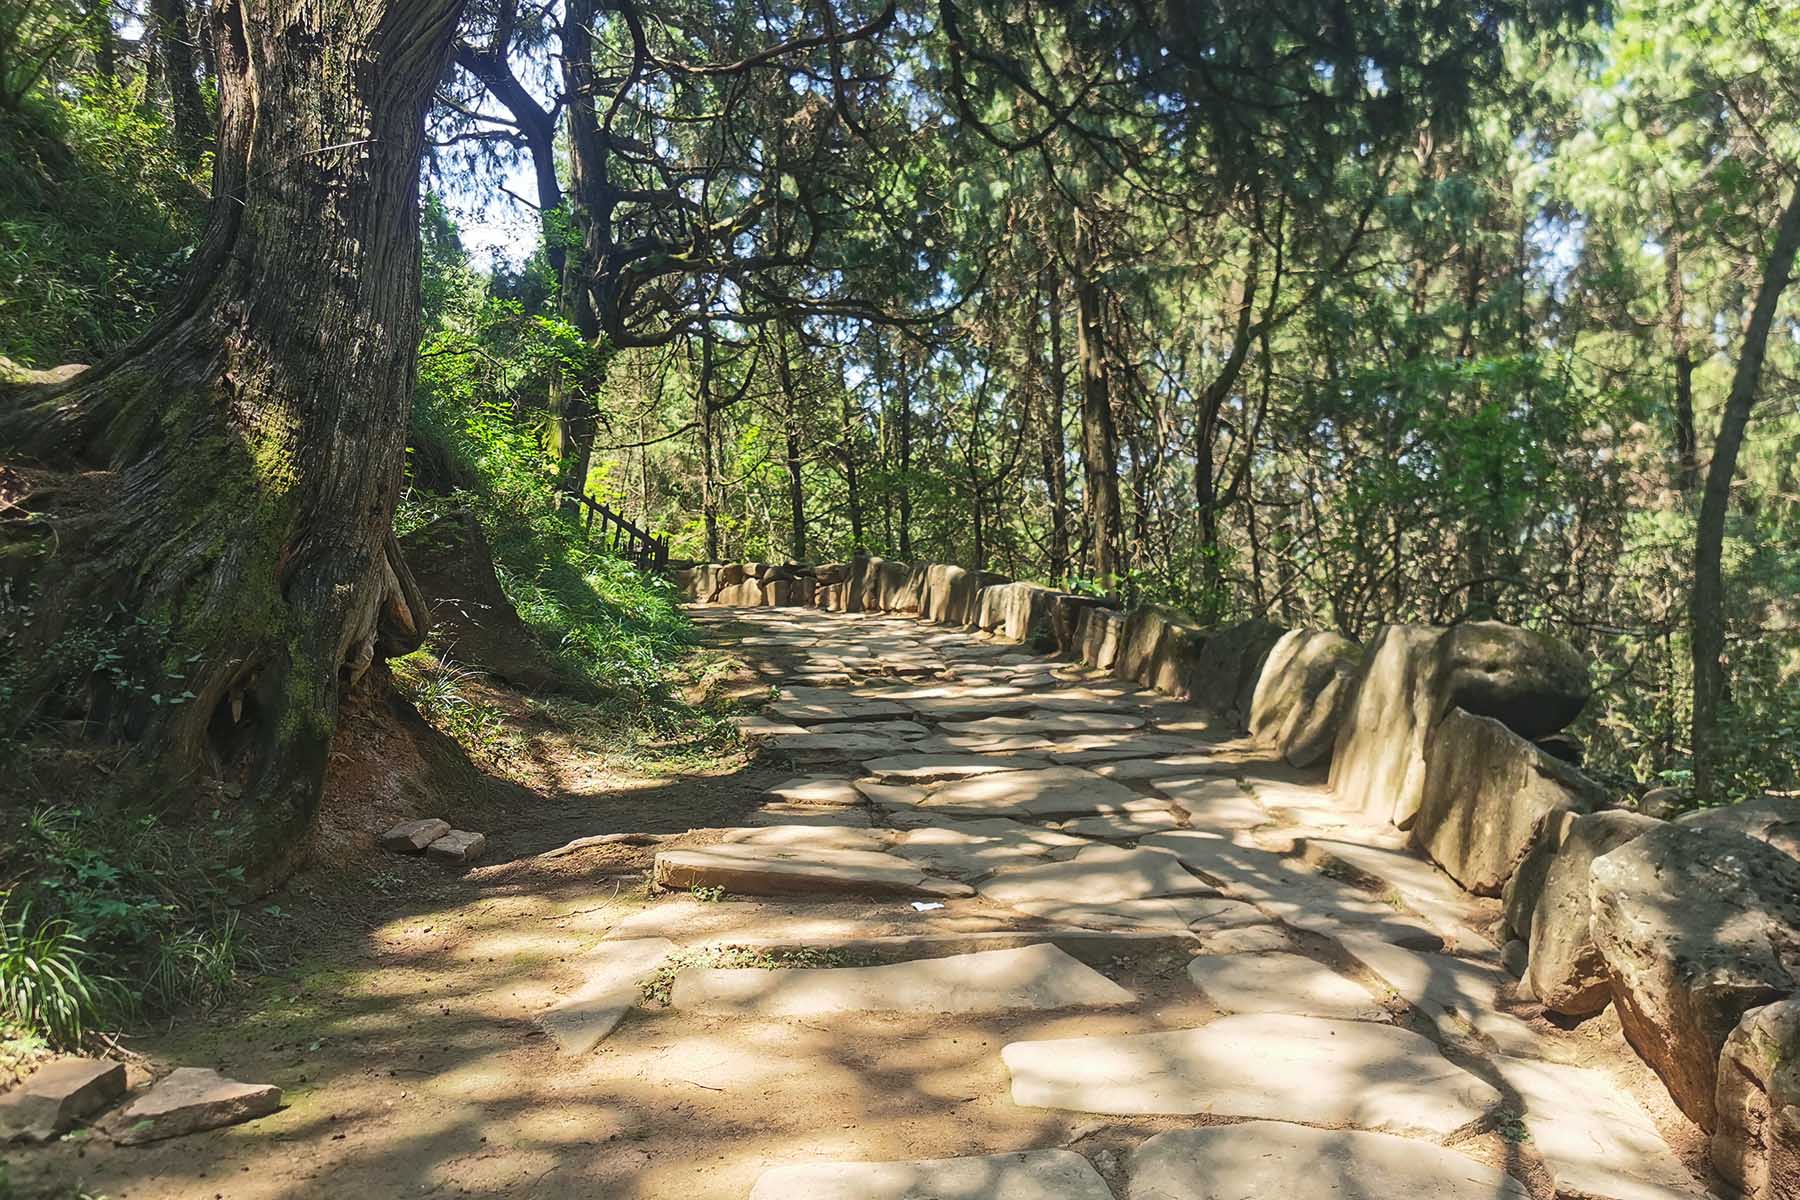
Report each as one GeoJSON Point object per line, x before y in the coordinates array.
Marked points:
{"type": "Point", "coordinates": [1690, 928]}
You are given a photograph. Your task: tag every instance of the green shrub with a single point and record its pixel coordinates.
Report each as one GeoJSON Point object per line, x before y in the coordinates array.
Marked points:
{"type": "Point", "coordinates": [49, 980]}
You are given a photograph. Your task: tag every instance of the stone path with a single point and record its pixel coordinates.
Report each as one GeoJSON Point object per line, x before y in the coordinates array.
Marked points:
{"type": "Point", "coordinates": [1150, 921]}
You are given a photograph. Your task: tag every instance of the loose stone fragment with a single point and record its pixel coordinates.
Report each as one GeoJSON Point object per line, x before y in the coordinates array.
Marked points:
{"type": "Point", "coordinates": [189, 1100]}
{"type": "Point", "coordinates": [1285, 1068]}
{"type": "Point", "coordinates": [411, 837]}
{"type": "Point", "coordinates": [1033, 1175]}
{"type": "Point", "coordinates": [457, 847]}
{"type": "Point", "coordinates": [1265, 1160]}
{"type": "Point", "coordinates": [57, 1095]}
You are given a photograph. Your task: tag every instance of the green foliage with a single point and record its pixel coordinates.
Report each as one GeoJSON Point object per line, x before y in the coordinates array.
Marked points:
{"type": "Point", "coordinates": [97, 219]}
{"type": "Point", "coordinates": [139, 912]}
{"type": "Point", "coordinates": [49, 981]}
{"type": "Point", "coordinates": [478, 444]}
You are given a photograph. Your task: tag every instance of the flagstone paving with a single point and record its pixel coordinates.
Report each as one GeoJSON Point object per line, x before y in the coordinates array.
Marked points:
{"type": "Point", "coordinates": [1116, 911]}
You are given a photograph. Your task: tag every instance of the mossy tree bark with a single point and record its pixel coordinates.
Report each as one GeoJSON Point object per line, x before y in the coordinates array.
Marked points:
{"type": "Point", "coordinates": [227, 483]}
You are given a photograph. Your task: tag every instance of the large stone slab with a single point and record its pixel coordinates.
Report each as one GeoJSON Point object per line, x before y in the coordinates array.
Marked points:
{"type": "Point", "coordinates": [1285, 1068]}
{"type": "Point", "coordinates": [1414, 881]}
{"type": "Point", "coordinates": [1102, 747]}
{"type": "Point", "coordinates": [1116, 827]}
{"type": "Point", "coordinates": [1460, 996]}
{"type": "Point", "coordinates": [1046, 722]}
{"type": "Point", "coordinates": [1172, 914]}
{"type": "Point", "coordinates": [1029, 977]}
{"type": "Point", "coordinates": [926, 768]}
{"type": "Point", "coordinates": [837, 837]}
{"type": "Point", "coordinates": [1212, 802]}
{"type": "Point", "coordinates": [806, 748]}
{"type": "Point", "coordinates": [581, 1020]}
{"type": "Point", "coordinates": [1756, 1146]}
{"type": "Point", "coordinates": [1596, 1139]}
{"type": "Point", "coordinates": [1282, 983]}
{"type": "Point", "coordinates": [816, 789]}
{"type": "Point", "coordinates": [1771, 819]}
{"type": "Point", "coordinates": [1266, 1160]}
{"type": "Point", "coordinates": [1032, 1175]}
{"type": "Point", "coordinates": [1097, 875]}
{"type": "Point", "coordinates": [1697, 927]}
{"type": "Point", "coordinates": [844, 707]}
{"type": "Point", "coordinates": [1565, 970]}
{"type": "Point", "coordinates": [57, 1095]}
{"type": "Point", "coordinates": [970, 854]}
{"type": "Point", "coordinates": [190, 1100]}
{"type": "Point", "coordinates": [787, 870]}
{"type": "Point", "coordinates": [1049, 792]}
{"type": "Point", "coordinates": [1489, 796]}
{"type": "Point", "coordinates": [1291, 893]}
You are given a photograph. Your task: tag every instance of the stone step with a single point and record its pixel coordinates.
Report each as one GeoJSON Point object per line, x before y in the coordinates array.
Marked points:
{"type": "Point", "coordinates": [1047, 792]}
{"type": "Point", "coordinates": [1098, 875]}
{"type": "Point", "coordinates": [609, 989]}
{"type": "Point", "coordinates": [1030, 977]}
{"type": "Point", "coordinates": [1304, 1069]}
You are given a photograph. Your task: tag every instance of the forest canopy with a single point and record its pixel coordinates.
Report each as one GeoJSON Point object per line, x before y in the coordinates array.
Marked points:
{"type": "Point", "coordinates": [1339, 314]}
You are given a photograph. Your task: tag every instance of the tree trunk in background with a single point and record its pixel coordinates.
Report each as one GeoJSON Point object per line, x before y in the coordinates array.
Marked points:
{"type": "Point", "coordinates": [791, 428]}
{"type": "Point", "coordinates": [1056, 471]}
{"type": "Point", "coordinates": [1707, 607]}
{"type": "Point", "coordinates": [1099, 441]}
{"type": "Point", "coordinates": [574, 414]}
{"type": "Point", "coordinates": [245, 454]}
{"type": "Point", "coordinates": [106, 44]}
{"type": "Point", "coordinates": [852, 418]}
{"type": "Point", "coordinates": [1687, 448]}
{"type": "Point", "coordinates": [906, 550]}
{"type": "Point", "coordinates": [175, 34]}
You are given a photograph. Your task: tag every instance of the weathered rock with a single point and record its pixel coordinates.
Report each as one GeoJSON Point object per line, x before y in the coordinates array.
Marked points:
{"type": "Point", "coordinates": [1663, 803]}
{"type": "Point", "coordinates": [1378, 762]}
{"type": "Point", "coordinates": [411, 837]}
{"type": "Point", "coordinates": [1567, 973]}
{"type": "Point", "coordinates": [1264, 1159]}
{"type": "Point", "coordinates": [1066, 609]}
{"type": "Point", "coordinates": [1523, 892]}
{"type": "Point", "coordinates": [1489, 795]}
{"type": "Point", "coordinates": [1032, 1175]}
{"type": "Point", "coordinates": [1532, 683]}
{"type": "Point", "coordinates": [1697, 927]}
{"type": "Point", "coordinates": [1028, 977]}
{"type": "Point", "coordinates": [1221, 673]}
{"type": "Point", "coordinates": [818, 748]}
{"type": "Point", "coordinates": [1414, 674]}
{"type": "Point", "coordinates": [1018, 612]}
{"type": "Point", "coordinates": [457, 847]}
{"type": "Point", "coordinates": [57, 1095]}
{"type": "Point", "coordinates": [1771, 819]}
{"type": "Point", "coordinates": [1756, 1146]}
{"type": "Point", "coordinates": [1281, 982]}
{"type": "Point", "coordinates": [1151, 641]}
{"type": "Point", "coordinates": [1174, 914]}
{"type": "Point", "coordinates": [190, 1100]}
{"type": "Point", "coordinates": [1301, 694]}
{"type": "Point", "coordinates": [1098, 633]}
{"type": "Point", "coordinates": [827, 707]}
{"type": "Point", "coordinates": [580, 1020]}
{"type": "Point", "coordinates": [1283, 1068]}
{"type": "Point", "coordinates": [786, 870]}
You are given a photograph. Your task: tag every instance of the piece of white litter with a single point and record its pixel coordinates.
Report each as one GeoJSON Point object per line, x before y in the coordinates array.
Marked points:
{"type": "Point", "coordinates": [925, 905]}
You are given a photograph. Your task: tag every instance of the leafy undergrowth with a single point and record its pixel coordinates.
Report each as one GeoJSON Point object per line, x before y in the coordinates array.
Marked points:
{"type": "Point", "coordinates": [97, 217]}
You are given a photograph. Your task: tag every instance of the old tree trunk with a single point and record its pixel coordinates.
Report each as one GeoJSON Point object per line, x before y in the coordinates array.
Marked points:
{"type": "Point", "coordinates": [219, 494]}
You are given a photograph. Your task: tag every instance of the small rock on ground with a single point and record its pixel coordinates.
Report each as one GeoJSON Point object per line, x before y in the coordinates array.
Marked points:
{"type": "Point", "coordinates": [411, 837]}
{"type": "Point", "coordinates": [58, 1095]}
{"type": "Point", "coordinates": [457, 847]}
{"type": "Point", "coordinates": [190, 1100]}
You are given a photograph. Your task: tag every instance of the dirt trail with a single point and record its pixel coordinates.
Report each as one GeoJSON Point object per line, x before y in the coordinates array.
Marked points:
{"type": "Point", "coordinates": [411, 1062]}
